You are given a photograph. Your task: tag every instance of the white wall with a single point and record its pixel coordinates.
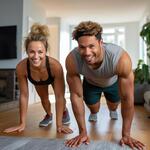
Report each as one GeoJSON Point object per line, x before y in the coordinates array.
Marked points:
{"type": "Point", "coordinates": [54, 39]}
{"type": "Point", "coordinates": [32, 12]}
{"type": "Point", "coordinates": [19, 11]}
{"type": "Point", "coordinates": [64, 42]}
{"type": "Point", "coordinates": [131, 33]}
{"type": "Point", "coordinates": [11, 12]}
{"type": "Point", "coordinates": [131, 40]}
{"type": "Point", "coordinates": [64, 46]}
{"type": "Point", "coordinates": [145, 18]}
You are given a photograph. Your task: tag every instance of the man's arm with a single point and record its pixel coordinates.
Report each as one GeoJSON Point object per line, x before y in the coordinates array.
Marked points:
{"type": "Point", "coordinates": [126, 89]}
{"type": "Point", "coordinates": [76, 95]}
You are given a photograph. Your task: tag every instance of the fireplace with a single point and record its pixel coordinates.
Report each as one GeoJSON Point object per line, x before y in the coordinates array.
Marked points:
{"type": "Point", "coordinates": [3, 88]}
{"type": "Point", "coordinates": [7, 85]}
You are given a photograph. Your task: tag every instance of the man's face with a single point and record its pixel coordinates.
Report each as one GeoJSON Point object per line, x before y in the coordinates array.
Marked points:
{"type": "Point", "coordinates": [90, 49]}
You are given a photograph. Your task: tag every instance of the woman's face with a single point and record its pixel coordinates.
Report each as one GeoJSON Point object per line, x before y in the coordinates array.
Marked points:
{"type": "Point", "coordinates": [36, 53]}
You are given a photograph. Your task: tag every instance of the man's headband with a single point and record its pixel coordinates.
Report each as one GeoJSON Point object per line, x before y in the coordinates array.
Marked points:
{"type": "Point", "coordinates": [98, 35]}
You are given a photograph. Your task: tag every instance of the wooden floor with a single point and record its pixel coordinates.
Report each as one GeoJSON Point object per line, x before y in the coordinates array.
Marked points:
{"type": "Point", "coordinates": [104, 129]}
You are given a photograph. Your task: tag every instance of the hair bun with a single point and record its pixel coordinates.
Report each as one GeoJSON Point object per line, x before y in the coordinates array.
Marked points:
{"type": "Point", "coordinates": [39, 29]}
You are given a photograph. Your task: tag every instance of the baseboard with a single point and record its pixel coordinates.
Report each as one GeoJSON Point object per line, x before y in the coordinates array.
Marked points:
{"type": "Point", "coordinates": [9, 105]}
{"type": "Point", "coordinates": [147, 107]}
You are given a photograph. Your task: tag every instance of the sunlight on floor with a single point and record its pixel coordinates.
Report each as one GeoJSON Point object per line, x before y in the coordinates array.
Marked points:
{"type": "Point", "coordinates": [67, 96]}
{"type": "Point", "coordinates": [52, 97]}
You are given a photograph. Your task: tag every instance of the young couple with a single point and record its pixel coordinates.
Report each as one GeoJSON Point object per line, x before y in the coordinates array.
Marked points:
{"type": "Point", "coordinates": [105, 67]}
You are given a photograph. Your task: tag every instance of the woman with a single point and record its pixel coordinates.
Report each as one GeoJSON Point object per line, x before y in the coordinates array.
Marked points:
{"type": "Point", "coordinates": [41, 70]}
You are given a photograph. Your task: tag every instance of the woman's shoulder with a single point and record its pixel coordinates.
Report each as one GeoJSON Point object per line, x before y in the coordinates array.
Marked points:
{"type": "Point", "coordinates": [22, 66]}
{"type": "Point", "coordinates": [22, 62]}
{"type": "Point", "coordinates": [53, 61]}
{"type": "Point", "coordinates": [55, 65]}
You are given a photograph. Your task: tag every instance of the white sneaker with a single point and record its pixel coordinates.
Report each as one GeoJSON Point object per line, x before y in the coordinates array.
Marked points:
{"type": "Point", "coordinates": [114, 115]}
{"type": "Point", "coordinates": [93, 117]}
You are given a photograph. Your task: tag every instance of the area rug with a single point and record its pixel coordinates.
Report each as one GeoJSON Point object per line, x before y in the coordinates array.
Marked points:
{"type": "Point", "coordinates": [21, 143]}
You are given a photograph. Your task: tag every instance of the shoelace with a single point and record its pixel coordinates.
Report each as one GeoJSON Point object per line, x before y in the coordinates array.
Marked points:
{"type": "Point", "coordinates": [65, 114]}
{"type": "Point", "coordinates": [46, 116]}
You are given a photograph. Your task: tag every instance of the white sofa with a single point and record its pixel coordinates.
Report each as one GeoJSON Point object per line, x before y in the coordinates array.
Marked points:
{"type": "Point", "coordinates": [147, 100]}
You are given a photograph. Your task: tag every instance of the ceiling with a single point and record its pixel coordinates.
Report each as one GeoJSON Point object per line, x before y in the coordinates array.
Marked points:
{"type": "Point", "coordinates": [104, 11]}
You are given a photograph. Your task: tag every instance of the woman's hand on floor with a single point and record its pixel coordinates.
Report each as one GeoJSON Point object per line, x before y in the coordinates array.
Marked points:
{"type": "Point", "coordinates": [64, 129]}
{"type": "Point", "coordinates": [18, 128]}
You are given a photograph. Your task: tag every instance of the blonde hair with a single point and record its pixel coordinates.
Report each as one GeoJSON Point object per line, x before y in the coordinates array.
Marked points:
{"type": "Point", "coordinates": [87, 28]}
{"type": "Point", "coordinates": [38, 33]}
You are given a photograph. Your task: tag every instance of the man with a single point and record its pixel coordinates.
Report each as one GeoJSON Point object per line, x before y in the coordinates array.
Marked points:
{"type": "Point", "coordinates": [106, 68]}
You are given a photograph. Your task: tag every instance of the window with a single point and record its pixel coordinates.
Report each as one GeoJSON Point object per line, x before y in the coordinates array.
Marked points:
{"type": "Point", "coordinates": [114, 35]}
{"type": "Point", "coordinates": [73, 43]}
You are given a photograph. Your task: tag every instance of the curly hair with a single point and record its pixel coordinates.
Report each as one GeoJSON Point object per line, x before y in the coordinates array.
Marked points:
{"type": "Point", "coordinates": [38, 33]}
{"type": "Point", "coordinates": [87, 28]}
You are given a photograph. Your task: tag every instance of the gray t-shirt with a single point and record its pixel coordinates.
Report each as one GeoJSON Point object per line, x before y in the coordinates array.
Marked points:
{"type": "Point", "coordinates": [105, 75]}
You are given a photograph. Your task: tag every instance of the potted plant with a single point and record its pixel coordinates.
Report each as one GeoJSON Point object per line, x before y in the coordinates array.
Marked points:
{"type": "Point", "coordinates": [142, 80]}
{"type": "Point", "coordinates": [145, 34]}
{"type": "Point", "coordinates": [142, 72]}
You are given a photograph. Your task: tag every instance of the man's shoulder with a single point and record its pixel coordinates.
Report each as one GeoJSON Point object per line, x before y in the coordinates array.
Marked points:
{"type": "Point", "coordinates": [75, 53]}
{"type": "Point", "coordinates": [74, 50]}
{"type": "Point", "coordinates": [113, 49]}
{"type": "Point", "coordinates": [111, 46]}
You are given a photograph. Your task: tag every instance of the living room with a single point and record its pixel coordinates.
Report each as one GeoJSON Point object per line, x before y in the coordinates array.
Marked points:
{"type": "Point", "coordinates": [61, 17]}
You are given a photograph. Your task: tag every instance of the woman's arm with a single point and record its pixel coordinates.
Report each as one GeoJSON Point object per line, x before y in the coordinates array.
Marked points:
{"type": "Point", "coordinates": [59, 91]}
{"type": "Point", "coordinates": [24, 94]}
{"type": "Point", "coordinates": [23, 98]}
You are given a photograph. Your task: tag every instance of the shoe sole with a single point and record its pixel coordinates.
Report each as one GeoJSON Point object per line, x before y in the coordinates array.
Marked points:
{"type": "Point", "coordinates": [92, 120]}
{"type": "Point", "coordinates": [66, 123]}
{"type": "Point", "coordinates": [45, 125]}
{"type": "Point", "coordinates": [114, 118]}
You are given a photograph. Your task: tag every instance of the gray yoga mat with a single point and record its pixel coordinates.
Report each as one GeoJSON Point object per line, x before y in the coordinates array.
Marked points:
{"type": "Point", "coordinates": [21, 143]}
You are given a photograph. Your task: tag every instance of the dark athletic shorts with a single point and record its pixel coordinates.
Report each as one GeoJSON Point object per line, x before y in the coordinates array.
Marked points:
{"type": "Point", "coordinates": [92, 93]}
